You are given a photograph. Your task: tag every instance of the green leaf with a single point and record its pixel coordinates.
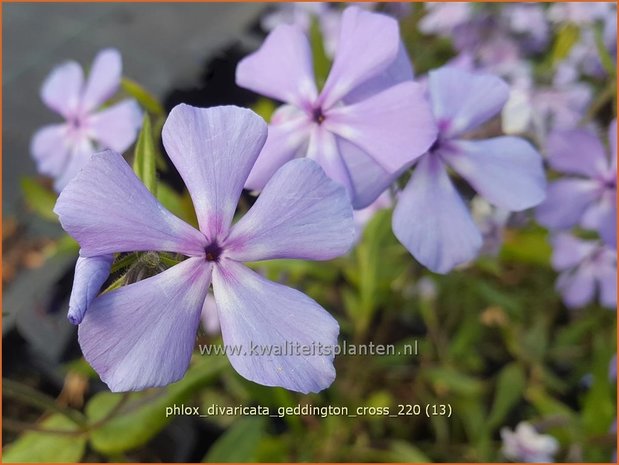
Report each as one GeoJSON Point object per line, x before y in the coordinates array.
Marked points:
{"type": "Point", "coordinates": [598, 406]}
{"type": "Point", "coordinates": [265, 108]}
{"type": "Point", "coordinates": [39, 199]}
{"type": "Point", "coordinates": [35, 446]}
{"type": "Point", "coordinates": [144, 98]}
{"type": "Point", "coordinates": [402, 451]}
{"type": "Point", "coordinates": [527, 246]}
{"type": "Point", "coordinates": [509, 390]}
{"type": "Point", "coordinates": [144, 414]}
{"type": "Point", "coordinates": [144, 161]}
{"type": "Point", "coordinates": [322, 64]}
{"type": "Point", "coordinates": [607, 62]}
{"type": "Point", "coordinates": [179, 204]}
{"type": "Point", "coordinates": [566, 38]}
{"type": "Point", "coordinates": [450, 379]}
{"type": "Point", "coordinates": [239, 443]}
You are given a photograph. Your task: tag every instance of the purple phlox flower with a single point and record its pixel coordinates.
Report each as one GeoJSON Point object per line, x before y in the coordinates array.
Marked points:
{"type": "Point", "coordinates": [362, 217]}
{"type": "Point", "coordinates": [585, 266]}
{"type": "Point", "coordinates": [527, 445]}
{"type": "Point", "coordinates": [142, 334]}
{"type": "Point", "coordinates": [209, 317]}
{"type": "Point", "coordinates": [587, 195]}
{"type": "Point", "coordinates": [443, 18]}
{"type": "Point", "coordinates": [583, 58]}
{"type": "Point", "coordinates": [430, 219]}
{"type": "Point", "coordinates": [528, 20]}
{"type": "Point", "coordinates": [543, 109]}
{"type": "Point", "coordinates": [61, 150]}
{"type": "Point", "coordinates": [579, 13]}
{"type": "Point", "coordinates": [368, 122]}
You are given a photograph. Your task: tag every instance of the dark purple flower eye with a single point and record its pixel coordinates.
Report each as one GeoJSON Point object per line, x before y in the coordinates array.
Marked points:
{"type": "Point", "coordinates": [317, 115]}
{"type": "Point", "coordinates": [212, 252]}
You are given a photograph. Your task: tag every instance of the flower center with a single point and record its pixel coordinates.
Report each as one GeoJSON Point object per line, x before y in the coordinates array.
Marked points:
{"type": "Point", "coordinates": [75, 123]}
{"type": "Point", "coordinates": [317, 115]}
{"type": "Point", "coordinates": [212, 252]}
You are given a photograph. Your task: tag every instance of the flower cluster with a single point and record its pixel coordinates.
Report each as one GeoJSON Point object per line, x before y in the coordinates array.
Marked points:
{"type": "Point", "coordinates": [372, 137]}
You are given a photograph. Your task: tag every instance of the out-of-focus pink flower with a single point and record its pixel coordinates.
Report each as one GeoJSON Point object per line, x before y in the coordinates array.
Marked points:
{"type": "Point", "coordinates": [527, 445]}
{"type": "Point", "coordinates": [61, 150]}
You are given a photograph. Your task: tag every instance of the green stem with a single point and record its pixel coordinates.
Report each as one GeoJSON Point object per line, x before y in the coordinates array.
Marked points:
{"type": "Point", "coordinates": [21, 427]}
{"type": "Point", "coordinates": [123, 262]}
{"type": "Point", "coordinates": [35, 398]}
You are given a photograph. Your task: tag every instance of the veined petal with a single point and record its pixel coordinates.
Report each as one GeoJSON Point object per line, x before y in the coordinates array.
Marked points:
{"type": "Point", "coordinates": [107, 209]}
{"type": "Point", "coordinates": [566, 201]}
{"type": "Point", "coordinates": [142, 335]}
{"type": "Point", "coordinates": [400, 70]}
{"type": "Point", "coordinates": [80, 151]}
{"type": "Point", "coordinates": [50, 149]}
{"type": "Point", "coordinates": [394, 127]}
{"type": "Point", "coordinates": [103, 80]}
{"type": "Point", "coordinates": [431, 220]}
{"type": "Point", "coordinates": [463, 101]}
{"type": "Point", "coordinates": [273, 323]}
{"type": "Point", "coordinates": [90, 274]}
{"type": "Point", "coordinates": [368, 44]}
{"type": "Point", "coordinates": [301, 213]}
{"type": "Point", "coordinates": [284, 142]}
{"type": "Point", "coordinates": [577, 287]}
{"type": "Point", "coordinates": [281, 68]}
{"type": "Point", "coordinates": [568, 251]}
{"type": "Point", "coordinates": [506, 171]}
{"type": "Point", "coordinates": [368, 179]}
{"type": "Point", "coordinates": [323, 149]}
{"type": "Point", "coordinates": [576, 151]}
{"type": "Point", "coordinates": [117, 126]}
{"type": "Point", "coordinates": [607, 227]}
{"type": "Point", "coordinates": [62, 89]}
{"type": "Point", "coordinates": [214, 149]}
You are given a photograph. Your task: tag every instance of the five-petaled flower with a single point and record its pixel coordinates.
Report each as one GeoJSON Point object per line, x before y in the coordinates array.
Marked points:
{"type": "Point", "coordinates": [585, 266]}
{"type": "Point", "coordinates": [61, 150]}
{"type": "Point", "coordinates": [143, 334]}
{"type": "Point", "coordinates": [368, 122]}
{"type": "Point", "coordinates": [430, 218]}
{"type": "Point", "coordinates": [588, 197]}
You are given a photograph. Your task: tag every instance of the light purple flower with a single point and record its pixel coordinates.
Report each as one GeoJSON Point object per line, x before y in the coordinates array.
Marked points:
{"type": "Point", "coordinates": [587, 196]}
{"type": "Point", "coordinates": [143, 334]}
{"type": "Point", "coordinates": [579, 13]}
{"type": "Point", "coordinates": [61, 150]}
{"type": "Point", "coordinates": [444, 17]}
{"type": "Point", "coordinates": [527, 445]}
{"type": "Point", "coordinates": [586, 268]}
{"type": "Point", "coordinates": [431, 220]}
{"type": "Point", "coordinates": [368, 122]}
